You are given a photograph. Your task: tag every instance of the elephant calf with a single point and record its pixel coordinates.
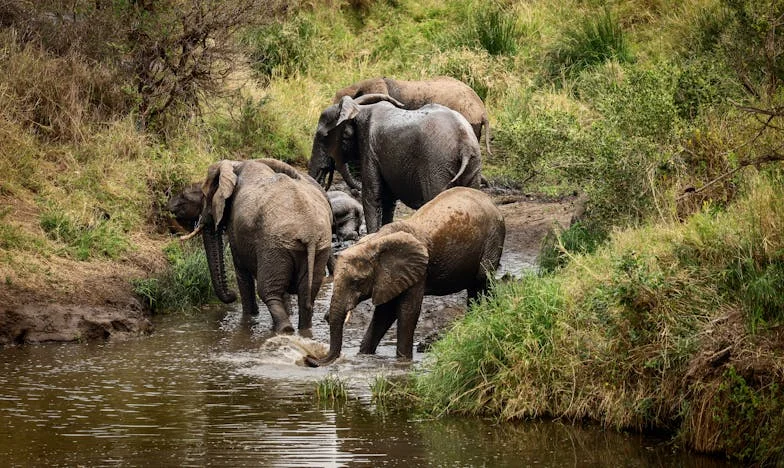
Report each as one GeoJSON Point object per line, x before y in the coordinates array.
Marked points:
{"type": "Point", "coordinates": [452, 243]}
{"type": "Point", "coordinates": [347, 215]}
{"type": "Point", "coordinates": [279, 229]}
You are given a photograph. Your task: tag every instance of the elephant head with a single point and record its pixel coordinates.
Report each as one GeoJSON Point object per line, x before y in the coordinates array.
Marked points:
{"type": "Point", "coordinates": [186, 206]}
{"type": "Point", "coordinates": [218, 189]}
{"type": "Point", "coordinates": [381, 267]}
{"type": "Point", "coordinates": [335, 145]}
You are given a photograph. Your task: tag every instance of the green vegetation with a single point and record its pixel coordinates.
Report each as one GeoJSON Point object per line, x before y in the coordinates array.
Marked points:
{"type": "Point", "coordinates": [658, 310]}
{"type": "Point", "coordinates": [184, 285]}
{"type": "Point", "coordinates": [664, 327]}
{"type": "Point", "coordinates": [331, 389]}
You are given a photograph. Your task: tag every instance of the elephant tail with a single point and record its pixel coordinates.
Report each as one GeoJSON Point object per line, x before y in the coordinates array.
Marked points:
{"type": "Point", "coordinates": [465, 158]}
{"type": "Point", "coordinates": [486, 124]}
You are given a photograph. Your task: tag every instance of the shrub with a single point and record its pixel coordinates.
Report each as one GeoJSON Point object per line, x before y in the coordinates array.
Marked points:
{"type": "Point", "coordinates": [280, 49]}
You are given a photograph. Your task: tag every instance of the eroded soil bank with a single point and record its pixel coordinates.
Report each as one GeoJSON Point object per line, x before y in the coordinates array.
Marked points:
{"type": "Point", "coordinates": [77, 301]}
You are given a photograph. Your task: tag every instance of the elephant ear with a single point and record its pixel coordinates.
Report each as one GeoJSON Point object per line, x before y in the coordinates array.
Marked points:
{"type": "Point", "coordinates": [401, 262]}
{"type": "Point", "coordinates": [221, 181]}
{"type": "Point", "coordinates": [347, 110]}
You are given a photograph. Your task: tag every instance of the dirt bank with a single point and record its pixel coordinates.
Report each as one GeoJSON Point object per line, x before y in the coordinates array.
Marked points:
{"type": "Point", "coordinates": [61, 299]}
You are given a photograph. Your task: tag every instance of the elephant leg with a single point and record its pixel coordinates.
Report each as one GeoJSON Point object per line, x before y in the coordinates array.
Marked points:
{"type": "Point", "coordinates": [372, 202]}
{"type": "Point", "coordinates": [245, 283]}
{"type": "Point", "coordinates": [287, 303]}
{"type": "Point", "coordinates": [383, 317]}
{"type": "Point", "coordinates": [274, 276]}
{"type": "Point", "coordinates": [409, 308]}
{"type": "Point", "coordinates": [387, 210]}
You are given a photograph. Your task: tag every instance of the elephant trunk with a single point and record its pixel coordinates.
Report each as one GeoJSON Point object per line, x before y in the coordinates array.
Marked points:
{"type": "Point", "coordinates": [350, 180]}
{"type": "Point", "coordinates": [213, 246]}
{"type": "Point", "coordinates": [337, 318]}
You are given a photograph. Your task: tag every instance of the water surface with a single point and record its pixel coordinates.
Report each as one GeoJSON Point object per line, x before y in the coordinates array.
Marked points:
{"type": "Point", "coordinates": [204, 390]}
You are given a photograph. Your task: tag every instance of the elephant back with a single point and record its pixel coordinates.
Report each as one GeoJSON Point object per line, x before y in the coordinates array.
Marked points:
{"type": "Point", "coordinates": [461, 225]}
{"type": "Point", "coordinates": [288, 213]}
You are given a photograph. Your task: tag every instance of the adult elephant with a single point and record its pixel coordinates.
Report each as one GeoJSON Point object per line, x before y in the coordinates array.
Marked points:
{"type": "Point", "coordinates": [443, 90]}
{"type": "Point", "coordinates": [279, 230]}
{"type": "Point", "coordinates": [406, 155]}
{"type": "Point", "coordinates": [452, 243]}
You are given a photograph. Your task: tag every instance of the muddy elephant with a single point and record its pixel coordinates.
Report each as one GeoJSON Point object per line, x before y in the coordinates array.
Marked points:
{"type": "Point", "coordinates": [347, 215]}
{"type": "Point", "coordinates": [453, 242]}
{"type": "Point", "coordinates": [279, 229]}
{"type": "Point", "coordinates": [443, 90]}
{"type": "Point", "coordinates": [406, 155]}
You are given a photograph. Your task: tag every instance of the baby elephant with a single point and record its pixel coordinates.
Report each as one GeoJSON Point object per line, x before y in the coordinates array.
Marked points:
{"type": "Point", "coordinates": [451, 243]}
{"type": "Point", "coordinates": [346, 215]}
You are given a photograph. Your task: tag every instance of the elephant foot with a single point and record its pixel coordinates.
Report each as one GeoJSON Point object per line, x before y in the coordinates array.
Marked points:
{"type": "Point", "coordinates": [306, 333]}
{"type": "Point", "coordinates": [283, 328]}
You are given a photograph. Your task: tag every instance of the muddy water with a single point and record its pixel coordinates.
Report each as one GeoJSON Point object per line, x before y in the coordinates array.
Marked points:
{"type": "Point", "coordinates": [213, 388]}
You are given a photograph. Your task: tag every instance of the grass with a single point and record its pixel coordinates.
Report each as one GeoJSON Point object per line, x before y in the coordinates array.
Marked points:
{"type": "Point", "coordinates": [331, 389]}
{"type": "Point", "coordinates": [184, 285]}
{"type": "Point", "coordinates": [621, 336]}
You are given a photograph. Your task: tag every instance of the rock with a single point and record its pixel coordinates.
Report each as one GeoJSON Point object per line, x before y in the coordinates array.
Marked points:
{"type": "Point", "coordinates": [38, 323]}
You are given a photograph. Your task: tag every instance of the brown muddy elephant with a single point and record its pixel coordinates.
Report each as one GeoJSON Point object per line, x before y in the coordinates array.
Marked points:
{"type": "Point", "coordinates": [453, 242]}
{"type": "Point", "coordinates": [279, 229]}
{"type": "Point", "coordinates": [443, 90]}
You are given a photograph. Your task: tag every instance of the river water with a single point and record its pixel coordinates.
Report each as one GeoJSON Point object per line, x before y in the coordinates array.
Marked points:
{"type": "Point", "coordinates": [211, 388]}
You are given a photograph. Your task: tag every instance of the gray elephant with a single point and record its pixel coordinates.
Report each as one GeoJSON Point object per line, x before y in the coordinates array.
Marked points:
{"type": "Point", "coordinates": [443, 90]}
{"type": "Point", "coordinates": [347, 215]}
{"type": "Point", "coordinates": [279, 230]}
{"type": "Point", "coordinates": [406, 155]}
{"type": "Point", "coordinates": [186, 206]}
{"type": "Point", "coordinates": [452, 243]}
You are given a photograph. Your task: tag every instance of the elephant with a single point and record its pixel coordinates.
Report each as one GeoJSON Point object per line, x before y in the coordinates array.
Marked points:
{"type": "Point", "coordinates": [347, 215]}
{"type": "Point", "coordinates": [406, 155]}
{"type": "Point", "coordinates": [453, 242]}
{"type": "Point", "coordinates": [186, 206]}
{"type": "Point", "coordinates": [443, 90]}
{"type": "Point", "coordinates": [279, 229]}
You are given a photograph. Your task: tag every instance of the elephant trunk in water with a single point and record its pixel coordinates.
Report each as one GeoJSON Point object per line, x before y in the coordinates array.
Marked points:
{"type": "Point", "coordinates": [337, 318]}
{"type": "Point", "coordinates": [213, 246]}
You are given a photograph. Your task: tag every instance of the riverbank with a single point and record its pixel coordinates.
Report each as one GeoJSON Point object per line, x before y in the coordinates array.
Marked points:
{"type": "Point", "coordinates": [674, 327]}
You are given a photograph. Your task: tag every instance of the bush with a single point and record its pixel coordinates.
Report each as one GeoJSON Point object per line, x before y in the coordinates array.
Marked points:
{"type": "Point", "coordinates": [280, 49]}
{"type": "Point", "coordinates": [646, 333]}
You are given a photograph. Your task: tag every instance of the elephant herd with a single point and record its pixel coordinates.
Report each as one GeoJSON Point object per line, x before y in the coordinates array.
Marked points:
{"type": "Point", "coordinates": [412, 141]}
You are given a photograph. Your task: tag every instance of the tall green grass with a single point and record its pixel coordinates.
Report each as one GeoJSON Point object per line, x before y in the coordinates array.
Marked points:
{"type": "Point", "coordinates": [185, 284]}
{"type": "Point", "coordinates": [597, 38]}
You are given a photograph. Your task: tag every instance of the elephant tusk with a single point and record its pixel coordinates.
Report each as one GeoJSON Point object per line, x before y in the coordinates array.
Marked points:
{"type": "Point", "coordinates": [348, 316]}
{"type": "Point", "coordinates": [195, 231]}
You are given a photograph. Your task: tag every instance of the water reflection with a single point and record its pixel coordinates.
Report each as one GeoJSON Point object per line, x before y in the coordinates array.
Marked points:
{"type": "Point", "coordinates": [200, 392]}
